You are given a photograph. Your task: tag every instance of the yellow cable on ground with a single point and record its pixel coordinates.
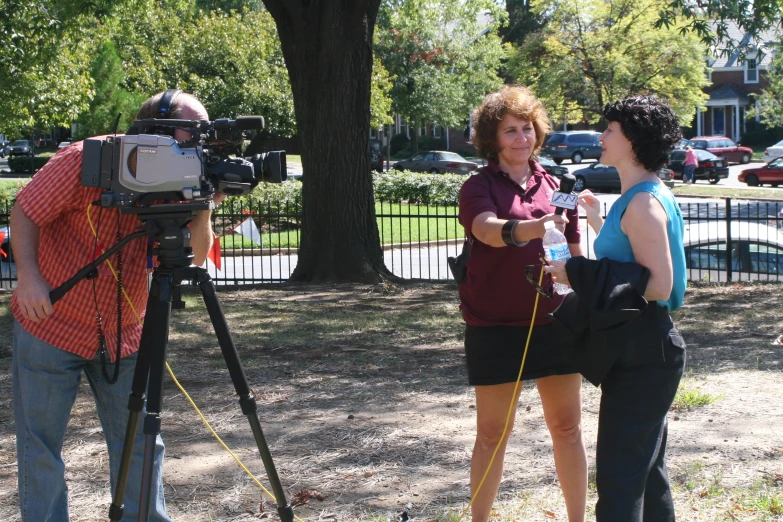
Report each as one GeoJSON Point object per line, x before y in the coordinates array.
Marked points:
{"type": "Point", "coordinates": [217, 437]}
{"type": "Point", "coordinates": [511, 405]}
{"type": "Point", "coordinates": [184, 392]}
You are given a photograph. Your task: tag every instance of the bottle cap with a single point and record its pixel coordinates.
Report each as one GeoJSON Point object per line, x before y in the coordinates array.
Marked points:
{"type": "Point", "coordinates": [548, 225]}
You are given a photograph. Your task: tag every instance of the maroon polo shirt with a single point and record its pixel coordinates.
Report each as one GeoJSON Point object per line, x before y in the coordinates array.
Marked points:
{"type": "Point", "coordinates": [495, 291]}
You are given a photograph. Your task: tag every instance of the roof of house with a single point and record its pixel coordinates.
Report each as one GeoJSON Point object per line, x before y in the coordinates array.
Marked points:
{"type": "Point", "coordinates": [766, 41]}
{"type": "Point", "coordinates": [727, 94]}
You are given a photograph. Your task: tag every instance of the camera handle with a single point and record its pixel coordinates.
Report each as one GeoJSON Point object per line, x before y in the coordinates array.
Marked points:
{"type": "Point", "coordinates": [85, 273]}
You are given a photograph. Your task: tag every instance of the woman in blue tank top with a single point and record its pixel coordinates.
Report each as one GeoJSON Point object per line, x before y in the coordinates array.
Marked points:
{"type": "Point", "coordinates": [644, 226]}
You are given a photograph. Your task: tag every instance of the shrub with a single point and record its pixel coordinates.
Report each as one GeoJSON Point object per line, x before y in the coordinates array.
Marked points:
{"type": "Point", "coordinates": [756, 134]}
{"type": "Point", "coordinates": [398, 142]}
{"type": "Point", "coordinates": [415, 188]}
{"type": "Point", "coordinates": [27, 164]}
{"type": "Point", "coordinates": [267, 198]}
{"type": "Point", "coordinates": [430, 143]}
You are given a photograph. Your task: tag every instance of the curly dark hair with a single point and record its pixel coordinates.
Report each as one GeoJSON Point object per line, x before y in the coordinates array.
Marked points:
{"type": "Point", "coordinates": [510, 99]}
{"type": "Point", "coordinates": [650, 125]}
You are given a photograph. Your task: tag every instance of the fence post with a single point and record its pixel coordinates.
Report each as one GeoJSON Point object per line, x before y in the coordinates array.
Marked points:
{"type": "Point", "coordinates": [729, 275]}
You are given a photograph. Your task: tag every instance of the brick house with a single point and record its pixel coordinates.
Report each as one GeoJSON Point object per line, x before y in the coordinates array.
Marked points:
{"type": "Point", "coordinates": [734, 82]}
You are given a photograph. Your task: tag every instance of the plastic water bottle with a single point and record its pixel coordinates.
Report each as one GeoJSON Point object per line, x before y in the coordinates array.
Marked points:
{"type": "Point", "coordinates": [556, 249]}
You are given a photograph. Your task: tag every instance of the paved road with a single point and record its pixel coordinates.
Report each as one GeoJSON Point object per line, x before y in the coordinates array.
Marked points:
{"type": "Point", "coordinates": [731, 181]}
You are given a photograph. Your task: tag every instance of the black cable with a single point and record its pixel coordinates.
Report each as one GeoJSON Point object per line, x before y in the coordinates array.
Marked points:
{"type": "Point", "coordinates": [118, 270]}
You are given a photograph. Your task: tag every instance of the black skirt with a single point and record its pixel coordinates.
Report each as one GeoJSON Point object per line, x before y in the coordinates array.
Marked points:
{"type": "Point", "coordinates": [494, 354]}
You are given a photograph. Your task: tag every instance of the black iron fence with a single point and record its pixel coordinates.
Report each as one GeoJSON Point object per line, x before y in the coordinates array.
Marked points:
{"type": "Point", "coordinates": [725, 240]}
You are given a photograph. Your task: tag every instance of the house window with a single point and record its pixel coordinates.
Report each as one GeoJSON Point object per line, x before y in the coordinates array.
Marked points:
{"type": "Point", "coordinates": [751, 71]}
{"type": "Point", "coordinates": [709, 71]}
{"type": "Point", "coordinates": [437, 131]}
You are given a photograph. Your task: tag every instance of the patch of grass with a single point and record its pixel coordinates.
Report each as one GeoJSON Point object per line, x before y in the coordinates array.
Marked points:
{"type": "Point", "coordinates": [296, 158]}
{"type": "Point", "coordinates": [690, 398]}
{"type": "Point", "coordinates": [764, 499]}
{"type": "Point", "coordinates": [717, 191]}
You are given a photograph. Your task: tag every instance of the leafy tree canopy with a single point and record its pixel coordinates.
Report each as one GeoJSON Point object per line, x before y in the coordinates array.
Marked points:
{"type": "Point", "coordinates": [444, 55]}
{"type": "Point", "coordinates": [380, 102]}
{"type": "Point", "coordinates": [595, 51]}
{"type": "Point", "coordinates": [771, 99]}
{"type": "Point", "coordinates": [230, 59]}
{"type": "Point", "coordinates": [710, 20]}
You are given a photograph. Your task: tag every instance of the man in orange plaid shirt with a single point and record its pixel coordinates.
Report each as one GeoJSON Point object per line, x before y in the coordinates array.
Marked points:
{"type": "Point", "coordinates": [52, 239]}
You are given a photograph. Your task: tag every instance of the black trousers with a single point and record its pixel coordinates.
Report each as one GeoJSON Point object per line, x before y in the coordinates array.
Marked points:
{"type": "Point", "coordinates": [631, 476]}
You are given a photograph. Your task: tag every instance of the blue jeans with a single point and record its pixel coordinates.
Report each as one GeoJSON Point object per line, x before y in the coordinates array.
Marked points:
{"type": "Point", "coordinates": [45, 382]}
{"type": "Point", "coordinates": [688, 171]}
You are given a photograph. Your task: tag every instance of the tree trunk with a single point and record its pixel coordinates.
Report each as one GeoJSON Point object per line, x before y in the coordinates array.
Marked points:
{"type": "Point", "coordinates": [327, 45]}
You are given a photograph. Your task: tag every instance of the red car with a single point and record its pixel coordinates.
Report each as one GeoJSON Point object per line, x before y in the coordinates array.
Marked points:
{"type": "Point", "coordinates": [723, 147]}
{"type": "Point", "coordinates": [771, 173]}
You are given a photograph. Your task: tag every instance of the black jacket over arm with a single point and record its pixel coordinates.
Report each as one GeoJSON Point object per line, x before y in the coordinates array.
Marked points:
{"type": "Point", "coordinates": [607, 318]}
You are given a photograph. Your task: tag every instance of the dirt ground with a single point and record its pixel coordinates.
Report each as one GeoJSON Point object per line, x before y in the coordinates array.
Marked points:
{"type": "Point", "coordinates": [363, 399]}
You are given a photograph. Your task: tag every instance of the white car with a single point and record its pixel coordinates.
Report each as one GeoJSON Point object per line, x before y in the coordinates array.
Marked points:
{"type": "Point", "coordinates": [773, 152]}
{"type": "Point", "coordinates": [63, 144]}
{"type": "Point", "coordinates": [755, 251]}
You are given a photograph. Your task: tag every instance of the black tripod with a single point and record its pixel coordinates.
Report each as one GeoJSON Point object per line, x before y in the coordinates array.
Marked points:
{"type": "Point", "coordinates": [166, 224]}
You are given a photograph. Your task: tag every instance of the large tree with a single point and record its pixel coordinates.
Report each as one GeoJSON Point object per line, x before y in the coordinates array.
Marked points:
{"type": "Point", "coordinates": [444, 55]}
{"type": "Point", "coordinates": [711, 20]}
{"type": "Point", "coordinates": [43, 83]}
{"type": "Point", "coordinates": [595, 51]}
{"type": "Point", "coordinates": [771, 99]}
{"type": "Point", "coordinates": [327, 46]}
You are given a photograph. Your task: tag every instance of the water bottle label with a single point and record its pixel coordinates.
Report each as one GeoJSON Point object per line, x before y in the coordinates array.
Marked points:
{"type": "Point", "coordinates": [558, 252]}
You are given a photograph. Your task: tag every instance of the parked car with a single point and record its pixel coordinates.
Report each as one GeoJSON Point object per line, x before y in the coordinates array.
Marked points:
{"type": "Point", "coordinates": [20, 148]}
{"type": "Point", "coordinates": [552, 168]}
{"type": "Point", "coordinates": [63, 144]}
{"type": "Point", "coordinates": [437, 162]}
{"type": "Point", "coordinates": [4, 148]}
{"type": "Point", "coordinates": [755, 251]}
{"type": "Point", "coordinates": [600, 176]}
{"type": "Point", "coordinates": [573, 145]}
{"type": "Point", "coordinates": [723, 147]}
{"type": "Point", "coordinates": [710, 167]}
{"type": "Point", "coordinates": [773, 152]}
{"type": "Point", "coordinates": [771, 173]}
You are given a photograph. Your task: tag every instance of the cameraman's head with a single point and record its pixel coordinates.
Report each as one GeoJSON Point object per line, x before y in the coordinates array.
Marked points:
{"type": "Point", "coordinates": [182, 106]}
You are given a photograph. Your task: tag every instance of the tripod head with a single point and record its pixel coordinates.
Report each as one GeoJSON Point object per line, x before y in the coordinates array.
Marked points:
{"type": "Point", "coordinates": [166, 224]}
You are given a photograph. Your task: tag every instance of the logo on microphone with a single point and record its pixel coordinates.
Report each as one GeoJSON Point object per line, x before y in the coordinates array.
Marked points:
{"type": "Point", "coordinates": [564, 200]}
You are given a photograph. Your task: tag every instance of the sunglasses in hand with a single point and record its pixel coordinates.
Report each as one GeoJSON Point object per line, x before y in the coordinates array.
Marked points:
{"type": "Point", "coordinates": [533, 274]}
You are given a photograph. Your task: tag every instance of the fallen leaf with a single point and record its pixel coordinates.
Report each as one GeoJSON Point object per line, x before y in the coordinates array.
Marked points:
{"type": "Point", "coordinates": [550, 514]}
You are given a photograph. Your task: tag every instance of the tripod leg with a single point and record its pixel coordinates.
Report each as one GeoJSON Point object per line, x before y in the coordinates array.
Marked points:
{"type": "Point", "coordinates": [246, 399]}
{"type": "Point", "coordinates": [158, 340]}
{"type": "Point", "coordinates": [136, 401]}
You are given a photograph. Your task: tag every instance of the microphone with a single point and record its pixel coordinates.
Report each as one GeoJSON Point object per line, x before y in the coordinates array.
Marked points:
{"type": "Point", "coordinates": [564, 198]}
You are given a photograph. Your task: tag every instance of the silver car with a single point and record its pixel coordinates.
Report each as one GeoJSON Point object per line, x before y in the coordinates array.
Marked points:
{"type": "Point", "coordinates": [437, 162]}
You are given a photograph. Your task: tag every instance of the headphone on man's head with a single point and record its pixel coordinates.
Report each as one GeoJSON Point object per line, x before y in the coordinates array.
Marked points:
{"type": "Point", "coordinates": [164, 107]}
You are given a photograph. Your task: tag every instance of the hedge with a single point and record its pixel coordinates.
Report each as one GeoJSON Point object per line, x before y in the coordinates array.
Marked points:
{"type": "Point", "coordinates": [393, 186]}
{"type": "Point", "coordinates": [27, 164]}
{"type": "Point", "coordinates": [415, 188]}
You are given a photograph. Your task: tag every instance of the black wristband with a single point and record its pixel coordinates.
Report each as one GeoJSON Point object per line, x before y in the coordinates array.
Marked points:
{"type": "Point", "coordinates": [507, 233]}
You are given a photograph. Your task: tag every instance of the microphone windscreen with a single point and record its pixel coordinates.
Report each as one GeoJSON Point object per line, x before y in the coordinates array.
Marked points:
{"type": "Point", "coordinates": [567, 183]}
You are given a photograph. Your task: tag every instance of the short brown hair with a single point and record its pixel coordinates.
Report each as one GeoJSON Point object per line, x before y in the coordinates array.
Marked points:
{"type": "Point", "coordinates": [510, 99]}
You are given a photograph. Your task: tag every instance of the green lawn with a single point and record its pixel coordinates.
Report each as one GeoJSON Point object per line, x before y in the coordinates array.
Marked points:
{"type": "Point", "coordinates": [727, 192]}
{"type": "Point", "coordinates": [398, 224]}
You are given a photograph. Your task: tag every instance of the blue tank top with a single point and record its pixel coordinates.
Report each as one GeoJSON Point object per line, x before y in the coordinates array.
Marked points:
{"type": "Point", "coordinates": [611, 242]}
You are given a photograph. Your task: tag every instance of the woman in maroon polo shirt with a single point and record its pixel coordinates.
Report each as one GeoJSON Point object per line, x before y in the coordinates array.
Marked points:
{"type": "Point", "coordinates": [504, 210]}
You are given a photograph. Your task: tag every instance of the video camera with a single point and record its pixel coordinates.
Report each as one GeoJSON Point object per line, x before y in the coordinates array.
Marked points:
{"type": "Point", "coordinates": [148, 164]}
